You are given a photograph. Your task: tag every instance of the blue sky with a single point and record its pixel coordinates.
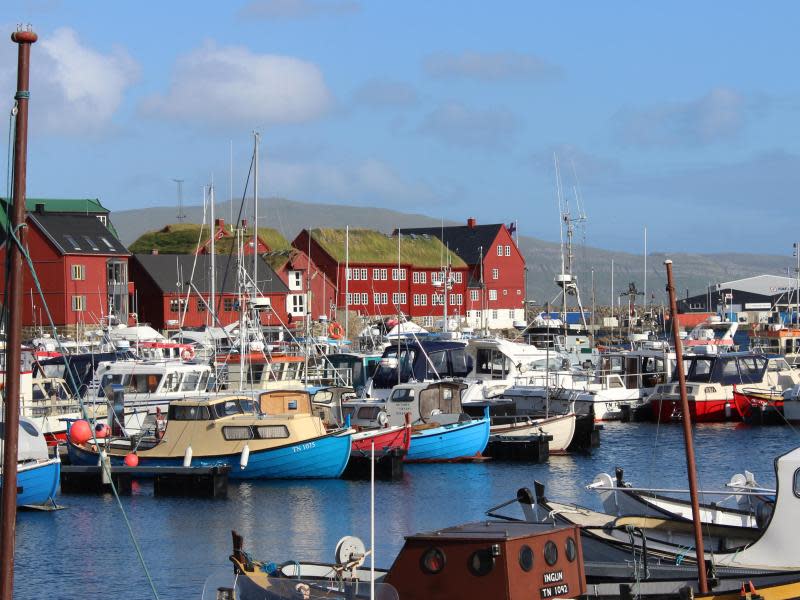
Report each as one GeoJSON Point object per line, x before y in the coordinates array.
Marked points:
{"type": "Point", "coordinates": [682, 117]}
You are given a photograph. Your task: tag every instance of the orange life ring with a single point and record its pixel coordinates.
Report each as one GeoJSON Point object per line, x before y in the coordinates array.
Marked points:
{"type": "Point", "coordinates": [336, 331]}
{"type": "Point", "coordinates": [187, 354]}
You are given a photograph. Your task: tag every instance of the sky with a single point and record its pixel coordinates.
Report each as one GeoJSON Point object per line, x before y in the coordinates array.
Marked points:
{"type": "Point", "coordinates": [681, 117]}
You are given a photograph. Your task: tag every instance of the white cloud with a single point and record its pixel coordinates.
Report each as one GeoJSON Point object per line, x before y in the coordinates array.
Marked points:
{"type": "Point", "coordinates": [232, 84]}
{"type": "Point", "coordinates": [719, 115]}
{"type": "Point", "coordinates": [370, 181]}
{"type": "Point", "coordinates": [297, 9]}
{"type": "Point", "coordinates": [494, 66]}
{"type": "Point", "coordinates": [74, 89]}
{"type": "Point", "coordinates": [458, 125]}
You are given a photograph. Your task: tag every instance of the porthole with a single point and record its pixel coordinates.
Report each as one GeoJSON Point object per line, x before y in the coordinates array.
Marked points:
{"type": "Point", "coordinates": [571, 550]}
{"type": "Point", "coordinates": [551, 553]}
{"type": "Point", "coordinates": [433, 561]}
{"type": "Point", "coordinates": [526, 558]}
{"type": "Point", "coordinates": [480, 563]}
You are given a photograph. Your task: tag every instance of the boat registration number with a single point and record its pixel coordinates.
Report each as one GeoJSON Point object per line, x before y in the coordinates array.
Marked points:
{"type": "Point", "coordinates": [554, 591]}
{"type": "Point", "coordinates": [302, 447]}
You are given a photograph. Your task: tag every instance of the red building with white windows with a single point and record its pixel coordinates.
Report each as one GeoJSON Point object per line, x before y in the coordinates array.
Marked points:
{"type": "Point", "coordinates": [380, 284]}
{"type": "Point", "coordinates": [496, 271]}
{"type": "Point", "coordinates": [82, 269]}
{"type": "Point", "coordinates": [175, 290]}
{"type": "Point", "coordinates": [311, 292]}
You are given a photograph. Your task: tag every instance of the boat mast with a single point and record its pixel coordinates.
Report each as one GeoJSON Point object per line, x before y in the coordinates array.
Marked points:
{"type": "Point", "coordinates": [796, 247]}
{"type": "Point", "coordinates": [346, 281]}
{"type": "Point", "coordinates": [397, 306]}
{"type": "Point", "coordinates": [213, 279]}
{"type": "Point", "coordinates": [256, 138]}
{"type": "Point", "coordinates": [645, 270]}
{"type": "Point", "coordinates": [687, 435]}
{"type": "Point", "coordinates": [14, 298]}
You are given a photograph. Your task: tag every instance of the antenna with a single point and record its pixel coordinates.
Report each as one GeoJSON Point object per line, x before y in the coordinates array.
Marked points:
{"type": "Point", "coordinates": [181, 216]}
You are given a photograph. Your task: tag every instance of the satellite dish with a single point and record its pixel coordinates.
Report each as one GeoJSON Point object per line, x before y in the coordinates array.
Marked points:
{"type": "Point", "coordinates": [349, 548]}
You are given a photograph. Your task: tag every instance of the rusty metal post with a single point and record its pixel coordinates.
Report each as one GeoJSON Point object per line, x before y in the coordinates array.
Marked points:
{"type": "Point", "coordinates": [687, 435]}
{"type": "Point", "coordinates": [14, 299]}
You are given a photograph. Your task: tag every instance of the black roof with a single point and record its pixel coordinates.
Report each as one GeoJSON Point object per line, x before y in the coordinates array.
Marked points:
{"type": "Point", "coordinates": [464, 240]}
{"type": "Point", "coordinates": [78, 234]}
{"type": "Point", "coordinates": [167, 270]}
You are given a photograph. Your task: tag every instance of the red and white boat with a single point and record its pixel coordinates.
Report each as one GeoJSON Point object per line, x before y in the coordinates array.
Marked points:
{"type": "Point", "coordinates": [710, 383]}
{"type": "Point", "coordinates": [387, 439]}
{"type": "Point", "coordinates": [759, 406]}
{"type": "Point", "coordinates": [711, 336]}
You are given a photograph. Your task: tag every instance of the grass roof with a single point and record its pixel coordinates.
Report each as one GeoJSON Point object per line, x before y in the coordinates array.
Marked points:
{"type": "Point", "coordinates": [182, 238]}
{"type": "Point", "coordinates": [368, 246]}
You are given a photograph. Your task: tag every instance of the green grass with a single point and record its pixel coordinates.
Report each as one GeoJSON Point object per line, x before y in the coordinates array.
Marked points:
{"type": "Point", "coordinates": [182, 238]}
{"type": "Point", "coordinates": [367, 246]}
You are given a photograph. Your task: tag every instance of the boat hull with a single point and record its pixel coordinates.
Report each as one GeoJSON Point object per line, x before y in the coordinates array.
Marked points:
{"type": "Point", "coordinates": [385, 440]}
{"type": "Point", "coordinates": [449, 442]}
{"type": "Point", "coordinates": [37, 482]}
{"type": "Point", "coordinates": [315, 458]}
{"type": "Point", "coordinates": [701, 411]}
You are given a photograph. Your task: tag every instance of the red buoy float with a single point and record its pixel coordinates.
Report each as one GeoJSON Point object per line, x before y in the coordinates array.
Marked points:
{"type": "Point", "coordinates": [102, 431]}
{"type": "Point", "coordinates": [80, 432]}
{"type": "Point", "coordinates": [131, 459]}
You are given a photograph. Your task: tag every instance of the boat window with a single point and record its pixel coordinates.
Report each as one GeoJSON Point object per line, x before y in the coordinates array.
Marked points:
{"type": "Point", "coordinates": [698, 370]}
{"type": "Point", "coordinates": [386, 372]}
{"type": "Point", "coordinates": [189, 413]}
{"type": "Point", "coordinates": [796, 486]}
{"type": "Point", "coordinates": [526, 557]}
{"type": "Point", "coordinates": [368, 413]}
{"type": "Point", "coordinates": [29, 429]}
{"type": "Point", "coordinates": [227, 408]}
{"type": "Point", "coordinates": [348, 411]}
{"type": "Point", "coordinates": [237, 433]}
{"type": "Point", "coordinates": [780, 364]}
{"type": "Point", "coordinates": [323, 396]}
{"type": "Point", "coordinates": [461, 363]}
{"type": "Point", "coordinates": [438, 399]}
{"type": "Point", "coordinates": [492, 362]}
{"type": "Point", "coordinates": [550, 553]}
{"type": "Point", "coordinates": [433, 561]}
{"type": "Point", "coordinates": [272, 432]}
{"type": "Point", "coordinates": [436, 365]}
{"type": "Point", "coordinates": [571, 550]}
{"type": "Point", "coordinates": [751, 368]}
{"type": "Point", "coordinates": [402, 395]}
{"type": "Point", "coordinates": [172, 382]}
{"type": "Point", "coordinates": [248, 406]}
{"type": "Point", "coordinates": [255, 374]}
{"type": "Point", "coordinates": [190, 381]}
{"type": "Point", "coordinates": [38, 393]}
{"type": "Point", "coordinates": [203, 381]}
{"type": "Point", "coordinates": [481, 562]}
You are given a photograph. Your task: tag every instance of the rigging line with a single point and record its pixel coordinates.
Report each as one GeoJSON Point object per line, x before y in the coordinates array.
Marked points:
{"type": "Point", "coordinates": [26, 255]}
{"type": "Point", "coordinates": [194, 264]}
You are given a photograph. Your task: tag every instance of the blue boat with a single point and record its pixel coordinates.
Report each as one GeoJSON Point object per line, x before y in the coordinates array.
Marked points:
{"type": "Point", "coordinates": [441, 431]}
{"type": "Point", "coordinates": [287, 442]}
{"type": "Point", "coordinates": [37, 474]}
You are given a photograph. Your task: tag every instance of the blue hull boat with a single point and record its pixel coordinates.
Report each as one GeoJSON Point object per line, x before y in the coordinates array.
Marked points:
{"type": "Point", "coordinates": [322, 457]}
{"type": "Point", "coordinates": [37, 481]}
{"type": "Point", "coordinates": [449, 442]}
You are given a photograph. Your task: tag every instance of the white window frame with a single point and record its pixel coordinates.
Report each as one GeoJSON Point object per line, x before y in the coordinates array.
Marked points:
{"type": "Point", "coordinates": [423, 298]}
{"type": "Point", "coordinates": [376, 298]}
{"type": "Point", "coordinates": [384, 298]}
{"type": "Point", "coordinates": [494, 314]}
{"type": "Point", "coordinates": [297, 304]}
{"type": "Point", "coordinates": [364, 298]}
{"type": "Point", "coordinates": [364, 274]}
{"type": "Point", "coordinates": [78, 303]}
{"type": "Point", "coordinates": [508, 250]}
{"type": "Point", "coordinates": [78, 272]}
{"type": "Point", "coordinates": [376, 274]}
{"type": "Point", "coordinates": [492, 294]}
{"type": "Point", "coordinates": [495, 273]}
{"type": "Point", "coordinates": [295, 280]}
{"type": "Point", "coordinates": [457, 277]}
{"type": "Point", "coordinates": [474, 295]}
{"type": "Point", "coordinates": [459, 299]}
{"type": "Point", "coordinates": [499, 250]}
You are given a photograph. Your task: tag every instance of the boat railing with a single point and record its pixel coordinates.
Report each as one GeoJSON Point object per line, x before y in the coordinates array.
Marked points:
{"type": "Point", "coordinates": [327, 374]}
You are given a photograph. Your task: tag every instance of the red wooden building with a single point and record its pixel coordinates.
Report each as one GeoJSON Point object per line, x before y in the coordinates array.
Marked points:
{"type": "Point", "coordinates": [311, 292]}
{"type": "Point", "coordinates": [496, 271]}
{"type": "Point", "coordinates": [175, 290]}
{"type": "Point", "coordinates": [81, 267]}
{"type": "Point", "coordinates": [379, 284]}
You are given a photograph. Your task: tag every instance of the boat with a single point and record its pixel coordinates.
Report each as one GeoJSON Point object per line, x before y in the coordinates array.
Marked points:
{"type": "Point", "coordinates": [47, 402]}
{"type": "Point", "coordinates": [38, 475]}
{"type": "Point", "coordinates": [712, 336]}
{"type": "Point", "coordinates": [488, 559]}
{"type": "Point", "coordinates": [510, 431]}
{"type": "Point", "coordinates": [285, 442]}
{"type": "Point", "coordinates": [757, 406]}
{"type": "Point", "coordinates": [747, 504]}
{"type": "Point", "coordinates": [440, 428]}
{"type": "Point", "coordinates": [777, 336]}
{"type": "Point", "coordinates": [710, 382]}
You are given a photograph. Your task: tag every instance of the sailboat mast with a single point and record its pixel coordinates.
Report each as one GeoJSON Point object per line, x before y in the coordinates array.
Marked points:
{"type": "Point", "coordinates": [687, 434]}
{"type": "Point", "coordinates": [397, 306]}
{"type": "Point", "coordinates": [15, 299]}
{"type": "Point", "coordinates": [256, 137]}
{"type": "Point", "coordinates": [346, 281]}
{"type": "Point", "coordinates": [213, 248]}
{"type": "Point", "coordinates": [645, 269]}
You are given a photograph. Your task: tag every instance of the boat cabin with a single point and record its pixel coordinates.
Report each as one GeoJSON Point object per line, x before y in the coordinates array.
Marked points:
{"type": "Point", "coordinates": [736, 368]}
{"type": "Point", "coordinates": [418, 361]}
{"type": "Point", "coordinates": [501, 560]}
{"type": "Point", "coordinates": [284, 402]}
{"type": "Point", "coordinates": [326, 402]}
{"type": "Point", "coordinates": [77, 370]}
{"type": "Point", "coordinates": [425, 403]}
{"type": "Point", "coordinates": [259, 371]}
{"type": "Point", "coordinates": [348, 369]}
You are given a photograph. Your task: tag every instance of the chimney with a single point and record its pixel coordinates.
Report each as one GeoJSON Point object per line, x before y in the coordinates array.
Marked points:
{"type": "Point", "coordinates": [219, 223]}
{"type": "Point", "coordinates": [154, 251]}
{"type": "Point", "coordinates": [471, 222]}
{"type": "Point", "coordinates": [39, 208]}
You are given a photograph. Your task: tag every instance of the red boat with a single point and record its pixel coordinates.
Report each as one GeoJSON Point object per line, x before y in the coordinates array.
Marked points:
{"type": "Point", "coordinates": [710, 383]}
{"type": "Point", "coordinates": [386, 440]}
{"type": "Point", "coordinates": [759, 406]}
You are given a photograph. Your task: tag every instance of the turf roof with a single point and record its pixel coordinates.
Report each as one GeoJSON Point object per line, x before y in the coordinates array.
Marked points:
{"type": "Point", "coordinates": [368, 246]}
{"type": "Point", "coordinates": [181, 238]}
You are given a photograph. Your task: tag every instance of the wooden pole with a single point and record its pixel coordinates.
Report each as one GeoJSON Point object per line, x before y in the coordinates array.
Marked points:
{"type": "Point", "coordinates": [687, 435]}
{"type": "Point", "coordinates": [14, 297]}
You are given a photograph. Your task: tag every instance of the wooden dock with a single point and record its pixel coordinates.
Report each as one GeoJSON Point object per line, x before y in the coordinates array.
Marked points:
{"type": "Point", "coordinates": [205, 482]}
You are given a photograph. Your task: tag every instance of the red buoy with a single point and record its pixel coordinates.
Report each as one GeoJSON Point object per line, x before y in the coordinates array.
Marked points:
{"type": "Point", "coordinates": [80, 432]}
{"type": "Point", "coordinates": [102, 431]}
{"type": "Point", "coordinates": [131, 460]}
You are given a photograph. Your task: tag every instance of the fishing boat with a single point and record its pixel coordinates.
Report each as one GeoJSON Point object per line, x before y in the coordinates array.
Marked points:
{"type": "Point", "coordinates": [287, 442]}
{"type": "Point", "coordinates": [777, 336]}
{"type": "Point", "coordinates": [743, 504]}
{"type": "Point", "coordinates": [712, 336]}
{"type": "Point", "coordinates": [488, 559]}
{"type": "Point", "coordinates": [440, 428]}
{"type": "Point", "coordinates": [710, 382]}
{"type": "Point", "coordinates": [37, 474]}
{"type": "Point", "coordinates": [757, 406]}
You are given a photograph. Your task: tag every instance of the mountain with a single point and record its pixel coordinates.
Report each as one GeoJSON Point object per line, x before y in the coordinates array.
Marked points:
{"type": "Point", "coordinates": [693, 272]}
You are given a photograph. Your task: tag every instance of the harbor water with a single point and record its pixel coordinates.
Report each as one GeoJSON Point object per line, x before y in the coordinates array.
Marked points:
{"type": "Point", "coordinates": [85, 550]}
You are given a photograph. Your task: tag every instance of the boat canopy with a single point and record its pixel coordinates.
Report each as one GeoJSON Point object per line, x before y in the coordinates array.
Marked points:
{"type": "Point", "coordinates": [31, 444]}
{"type": "Point", "coordinates": [726, 369]}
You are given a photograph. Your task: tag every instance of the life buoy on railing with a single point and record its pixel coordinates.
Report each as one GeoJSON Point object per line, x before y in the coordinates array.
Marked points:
{"type": "Point", "coordinates": [187, 353]}
{"type": "Point", "coordinates": [336, 331]}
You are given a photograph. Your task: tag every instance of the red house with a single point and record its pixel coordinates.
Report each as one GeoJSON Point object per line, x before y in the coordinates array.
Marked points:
{"type": "Point", "coordinates": [82, 269]}
{"type": "Point", "coordinates": [376, 275]}
{"type": "Point", "coordinates": [175, 290]}
{"type": "Point", "coordinates": [311, 291]}
{"type": "Point", "coordinates": [496, 271]}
